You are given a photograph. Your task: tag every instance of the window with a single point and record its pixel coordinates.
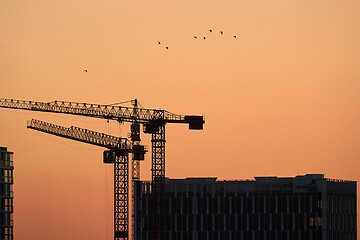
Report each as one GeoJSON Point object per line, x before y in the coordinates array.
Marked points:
{"type": "Point", "coordinates": [318, 221]}
{"type": "Point", "coordinates": [315, 221]}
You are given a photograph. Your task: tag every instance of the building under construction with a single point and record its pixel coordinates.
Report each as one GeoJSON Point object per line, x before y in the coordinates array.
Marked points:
{"type": "Point", "coordinates": [6, 194]}
{"type": "Point", "coordinates": [309, 207]}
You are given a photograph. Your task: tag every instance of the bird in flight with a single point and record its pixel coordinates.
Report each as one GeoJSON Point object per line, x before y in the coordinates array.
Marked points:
{"type": "Point", "coordinates": [85, 70]}
{"type": "Point", "coordinates": [195, 37]}
{"type": "Point", "coordinates": [221, 32]}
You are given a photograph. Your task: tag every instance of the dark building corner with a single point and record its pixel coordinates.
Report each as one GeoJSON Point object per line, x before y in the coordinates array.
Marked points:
{"type": "Point", "coordinates": [6, 194]}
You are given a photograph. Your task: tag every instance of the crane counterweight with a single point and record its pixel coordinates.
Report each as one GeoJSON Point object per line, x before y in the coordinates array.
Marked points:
{"type": "Point", "coordinates": [195, 122]}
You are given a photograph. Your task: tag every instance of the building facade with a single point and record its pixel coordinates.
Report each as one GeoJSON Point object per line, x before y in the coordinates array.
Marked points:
{"type": "Point", "coordinates": [6, 194]}
{"type": "Point", "coordinates": [309, 207]}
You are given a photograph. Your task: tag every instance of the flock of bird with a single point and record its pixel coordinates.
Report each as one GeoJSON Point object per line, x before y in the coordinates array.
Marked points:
{"type": "Point", "coordinates": [196, 37]}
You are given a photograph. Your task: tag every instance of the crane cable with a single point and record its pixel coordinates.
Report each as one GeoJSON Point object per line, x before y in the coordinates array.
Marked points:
{"type": "Point", "coordinates": [118, 103]}
{"type": "Point", "coordinates": [129, 101]}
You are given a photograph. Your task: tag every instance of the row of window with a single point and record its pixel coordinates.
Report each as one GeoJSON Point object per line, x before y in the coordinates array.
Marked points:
{"type": "Point", "coordinates": [232, 222]}
{"type": "Point", "coordinates": [6, 176]}
{"type": "Point", "coordinates": [244, 235]}
{"type": "Point", "coordinates": [6, 219]}
{"type": "Point", "coordinates": [341, 235]}
{"type": "Point", "coordinates": [6, 233]}
{"type": "Point", "coordinates": [341, 221]}
{"type": "Point", "coordinates": [6, 204]}
{"type": "Point", "coordinates": [6, 190]}
{"type": "Point", "coordinates": [6, 157]}
{"type": "Point", "coordinates": [239, 204]}
{"type": "Point", "coordinates": [341, 204]}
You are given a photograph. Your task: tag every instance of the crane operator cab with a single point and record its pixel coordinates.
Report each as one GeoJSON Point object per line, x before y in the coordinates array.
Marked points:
{"type": "Point", "coordinates": [138, 152]}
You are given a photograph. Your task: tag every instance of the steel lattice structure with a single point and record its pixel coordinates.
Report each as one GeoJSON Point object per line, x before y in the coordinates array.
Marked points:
{"type": "Point", "coordinates": [121, 197]}
{"type": "Point", "coordinates": [158, 183]}
{"type": "Point", "coordinates": [81, 135]}
{"type": "Point", "coordinates": [118, 113]}
{"type": "Point", "coordinates": [154, 122]}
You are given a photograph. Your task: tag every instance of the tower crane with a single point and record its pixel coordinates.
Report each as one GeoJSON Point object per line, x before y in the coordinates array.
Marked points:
{"type": "Point", "coordinates": [153, 122]}
{"type": "Point", "coordinates": [119, 149]}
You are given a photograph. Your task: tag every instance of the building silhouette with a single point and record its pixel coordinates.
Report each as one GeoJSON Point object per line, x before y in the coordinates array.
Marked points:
{"type": "Point", "coordinates": [309, 207]}
{"type": "Point", "coordinates": [6, 194]}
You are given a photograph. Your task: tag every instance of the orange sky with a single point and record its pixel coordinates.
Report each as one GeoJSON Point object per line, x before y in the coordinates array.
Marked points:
{"type": "Point", "coordinates": [281, 99]}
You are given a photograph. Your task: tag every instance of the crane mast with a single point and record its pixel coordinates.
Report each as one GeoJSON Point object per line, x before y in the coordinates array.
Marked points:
{"type": "Point", "coordinates": [153, 121]}
{"type": "Point", "coordinates": [118, 154]}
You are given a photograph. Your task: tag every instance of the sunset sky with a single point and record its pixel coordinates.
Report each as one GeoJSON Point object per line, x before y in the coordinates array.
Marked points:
{"type": "Point", "coordinates": [280, 99]}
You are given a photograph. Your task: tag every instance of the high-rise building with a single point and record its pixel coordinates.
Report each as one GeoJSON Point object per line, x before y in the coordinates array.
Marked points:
{"type": "Point", "coordinates": [309, 207]}
{"type": "Point", "coordinates": [6, 194]}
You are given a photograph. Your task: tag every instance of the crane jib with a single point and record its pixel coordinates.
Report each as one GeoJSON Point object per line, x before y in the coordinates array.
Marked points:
{"type": "Point", "coordinates": [118, 113]}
